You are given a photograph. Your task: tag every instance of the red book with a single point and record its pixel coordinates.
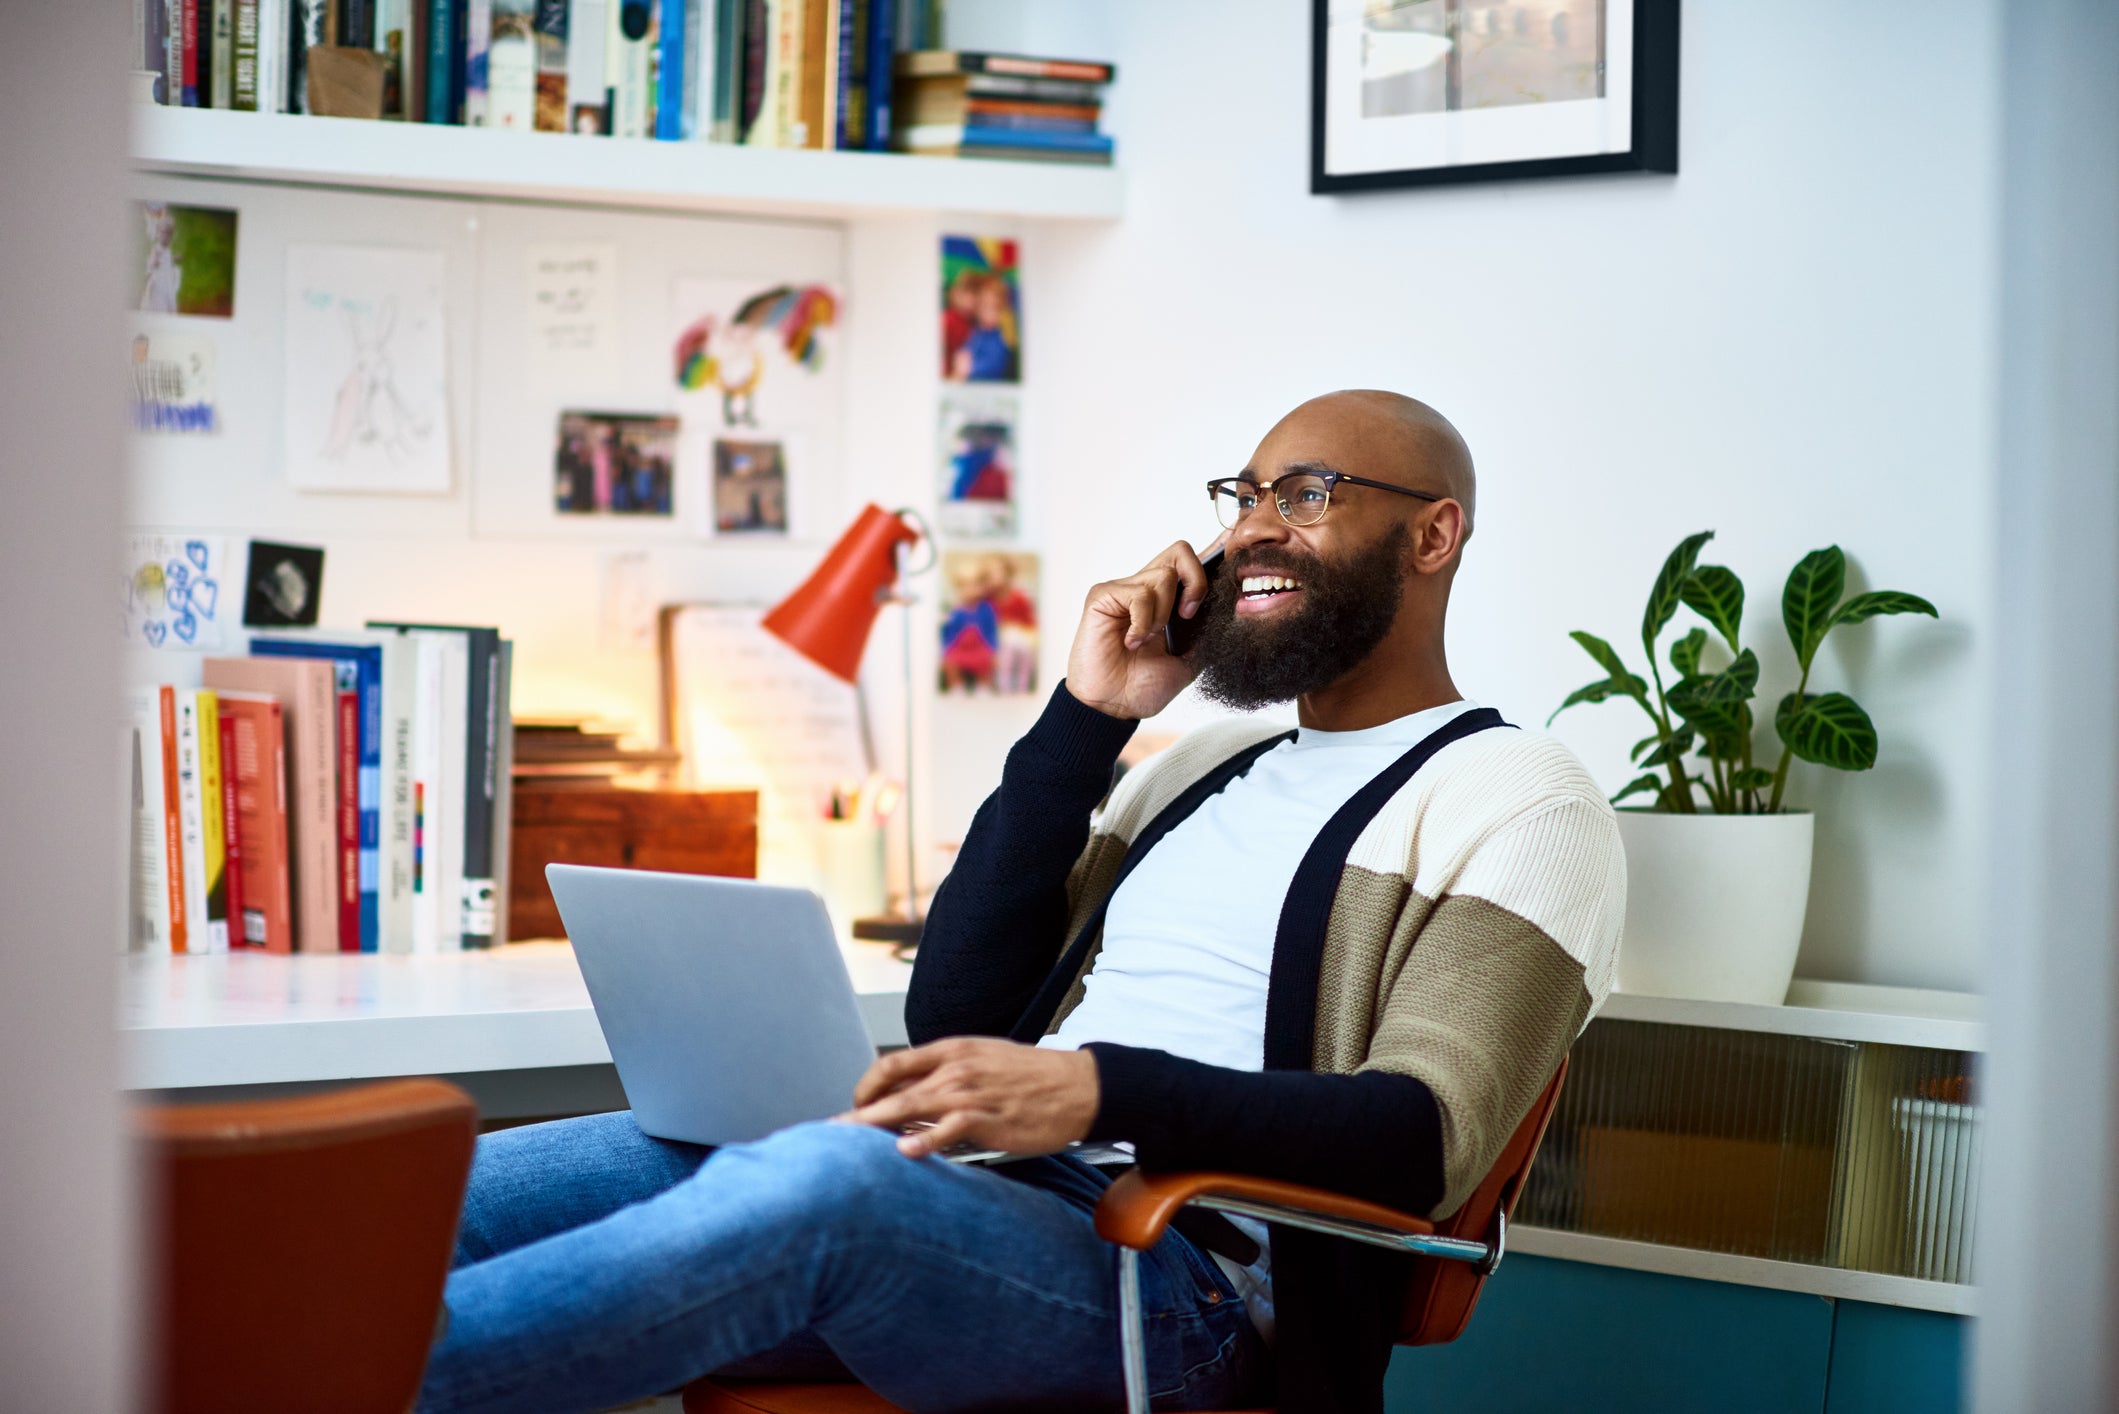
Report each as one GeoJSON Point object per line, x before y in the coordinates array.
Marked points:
{"type": "Point", "coordinates": [190, 10]}
{"type": "Point", "coordinates": [255, 763]}
{"type": "Point", "coordinates": [231, 834]}
{"type": "Point", "coordinates": [349, 815]}
{"type": "Point", "coordinates": [173, 825]}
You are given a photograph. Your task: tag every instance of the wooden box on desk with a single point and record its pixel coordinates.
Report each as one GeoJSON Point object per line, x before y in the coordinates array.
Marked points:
{"type": "Point", "coordinates": [677, 831]}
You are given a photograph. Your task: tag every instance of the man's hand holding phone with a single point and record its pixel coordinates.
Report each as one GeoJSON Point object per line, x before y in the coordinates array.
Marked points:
{"type": "Point", "coordinates": [1119, 663]}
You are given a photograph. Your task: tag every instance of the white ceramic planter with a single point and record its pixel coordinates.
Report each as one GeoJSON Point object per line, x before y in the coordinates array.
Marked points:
{"type": "Point", "coordinates": [1714, 904]}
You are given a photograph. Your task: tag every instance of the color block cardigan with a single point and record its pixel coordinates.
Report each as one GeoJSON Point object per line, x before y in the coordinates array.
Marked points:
{"type": "Point", "coordinates": [1472, 931]}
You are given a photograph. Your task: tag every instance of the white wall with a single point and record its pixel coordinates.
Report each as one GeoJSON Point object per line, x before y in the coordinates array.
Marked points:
{"type": "Point", "coordinates": [1788, 343]}
{"type": "Point", "coordinates": [65, 1219]}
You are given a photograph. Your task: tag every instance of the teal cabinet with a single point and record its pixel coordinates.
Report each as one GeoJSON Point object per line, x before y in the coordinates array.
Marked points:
{"type": "Point", "coordinates": [1557, 1335]}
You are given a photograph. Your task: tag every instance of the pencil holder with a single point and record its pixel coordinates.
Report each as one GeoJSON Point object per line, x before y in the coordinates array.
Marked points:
{"type": "Point", "coordinates": [854, 885]}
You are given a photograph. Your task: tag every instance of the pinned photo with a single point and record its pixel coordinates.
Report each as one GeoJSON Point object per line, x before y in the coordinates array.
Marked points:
{"type": "Point", "coordinates": [184, 259]}
{"type": "Point", "coordinates": [284, 587]}
{"type": "Point", "coordinates": [750, 486]}
{"type": "Point", "coordinates": [982, 311]}
{"type": "Point", "coordinates": [173, 590]}
{"type": "Point", "coordinates": [978, 476]}
{"type": "Point", "coordinates": [173, 383]}
{"type": "Point", "coordinates": [614, 463]}
{"type": "Point", "coordinates": [989, 623]}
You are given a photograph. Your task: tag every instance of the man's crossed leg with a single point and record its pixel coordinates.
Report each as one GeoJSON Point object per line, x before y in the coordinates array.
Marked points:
{"type": "Point", "coordinates": [596, 1265]}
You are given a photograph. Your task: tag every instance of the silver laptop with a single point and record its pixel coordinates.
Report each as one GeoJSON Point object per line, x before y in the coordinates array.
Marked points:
{"type": "Point", "coordinates": [725, 1002]}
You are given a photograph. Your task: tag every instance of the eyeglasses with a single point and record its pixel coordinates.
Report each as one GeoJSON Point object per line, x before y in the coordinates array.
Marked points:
{"type": "Point", "coordinates": [1302, 497]}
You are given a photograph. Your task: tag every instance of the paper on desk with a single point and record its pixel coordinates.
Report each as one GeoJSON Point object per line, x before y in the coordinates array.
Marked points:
{"type": "Point", "coordinates": [367, 392]}
{"type": "Point", "coordinates": [573, 313]}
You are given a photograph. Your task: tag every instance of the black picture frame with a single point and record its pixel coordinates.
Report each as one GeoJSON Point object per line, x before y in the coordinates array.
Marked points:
{"type": "Point", "coordinates": [1654, 131]}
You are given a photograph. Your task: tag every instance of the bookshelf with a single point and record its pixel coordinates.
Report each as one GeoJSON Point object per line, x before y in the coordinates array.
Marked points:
{"type": "Point", "coordinates": [566, 169]}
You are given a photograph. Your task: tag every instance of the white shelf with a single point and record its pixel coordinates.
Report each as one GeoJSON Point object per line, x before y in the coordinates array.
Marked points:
{"type": "Point", "coordinates": [1745, 1271]}
{"type": "Point", "coordinates": [250, 1018]}
{"type": "Point", "coordinates": [1830, 1011]}
{"type": "Point", "coordinates": [562, 167]}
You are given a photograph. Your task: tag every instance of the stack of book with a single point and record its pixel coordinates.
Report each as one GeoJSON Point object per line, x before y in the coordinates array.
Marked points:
{"type": "Point", "coordinates": [952, 104]}
{"type": "Point", "coordinates": [335, 791]}
{"type": "Point", "coordinates": [767, 73]}
{"type": "Point", "coordinates": [568, 753]}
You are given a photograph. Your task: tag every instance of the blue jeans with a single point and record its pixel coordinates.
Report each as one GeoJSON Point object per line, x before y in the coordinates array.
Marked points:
{"type": "Point", "coordinates": [596, 1266]}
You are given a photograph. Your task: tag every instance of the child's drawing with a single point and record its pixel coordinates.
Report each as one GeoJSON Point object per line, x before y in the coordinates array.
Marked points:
{"type": "Point", "coordinates": [367, 386]}
{"type": "Point", "coordinates": [173, 591]}
{"type": "Point", "coordinates": [733, 335]}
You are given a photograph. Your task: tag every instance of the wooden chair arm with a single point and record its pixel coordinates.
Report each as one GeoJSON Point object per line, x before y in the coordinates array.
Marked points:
{"type": "Point", "coordinates": [1137, 1208]}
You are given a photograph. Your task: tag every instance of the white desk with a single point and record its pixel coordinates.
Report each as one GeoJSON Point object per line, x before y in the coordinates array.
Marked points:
{"type": "Point", "coordinates": [512, 1024]}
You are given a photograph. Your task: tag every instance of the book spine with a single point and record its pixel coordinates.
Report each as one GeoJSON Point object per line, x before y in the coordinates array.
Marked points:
{"type": "Point", "coordinates": [631, 23]}
{"type": "Point", "coordinates": [149, 881]}
{"type": "Point", "coordinates": [173, 825]}
{"type": "Point", "coordinates": [669, 77]}
{"type": "Point", "coordinates": [728, 69]}
{"type": "Point", "coordinates": [213, 834]}
{"type": "Point", "coordinates": [272, 56]}
{"type": "Point", "coordinates": [551, 99]}
{"type": "Point", "coordinates": [370, 777]}
{"type": "Point", "coordinates": [839, 80]}
{"type": "Point", "coordinates": [819, 54]}
{"type": "Point", "coordinates": [785, 74]}
{"type": "Point", "coordinates": [191, 814]}
{"type": "Point", "coordinates": [588, 67]}
{"type": "Point", "coordinates": [441, 60]}
{"type": "Point", "coordinates": [191, 10]}
{"type": "Point", "coordinates": [503, 789]}
{"type": "Point", "coordinates": [304, 25]}
{"type": "Point", "coordinates": [220, 87]}
{"type": "Point", "coordinates": [757, 48]}
{"type": "Point", "coordinates": [236, 924]}
{"type": "Point", "coordinates": [357, 24]}
{"type": "Point", "coordinates": [348, 718]}
{"type": "Point", "coordinates": [244, 94]}
{"type": "Point", "coordinates": [479, 763]}
{"type": "Point", "coordinates": [478, 74]}
{"type": "Point", "coordinates": [696, 114]}
{"type": "Point", "coordinates": [400, 690]}
{"type": "Point", "coordinates": [416, 61]}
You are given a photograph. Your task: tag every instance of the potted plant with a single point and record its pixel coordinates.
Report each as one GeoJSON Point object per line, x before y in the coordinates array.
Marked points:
{"type": "Point", "coordinates": [1718, 865]}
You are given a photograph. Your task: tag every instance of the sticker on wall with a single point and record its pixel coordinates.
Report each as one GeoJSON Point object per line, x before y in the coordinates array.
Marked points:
{"type": "Point", "coordinates": [173, 382]}
{"type": "Point", "coordinates": [754, 347]}
{"type": "Point", "coordinates": [366, 382]}
{"type": "Point", "coordinates": [989, 622]}
{"type": "Point", "coordinates": [615, 463]}
{"type": "Point", "coordinates": [978, 489]}
{"type": "Point", "coordinates": [183, 259]}
{"type": "Point", "coordinates": [284, 585]}
{"type": "Point", "coordinates": [982, 311]}
{"type": "Point", "coordinates": [173, 590]}
{"type": "Point", "coordinates": [750, 486]}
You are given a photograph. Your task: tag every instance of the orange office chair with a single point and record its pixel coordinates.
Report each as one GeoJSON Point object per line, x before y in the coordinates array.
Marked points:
{"type": "Point", "coordinates": [300, 1245]}
{"type": "Point", "coordinates": [1457, 1255]}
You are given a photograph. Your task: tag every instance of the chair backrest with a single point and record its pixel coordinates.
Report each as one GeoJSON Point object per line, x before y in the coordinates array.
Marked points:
{"type": "Point", "coordinates": [300, 1245]}
{"type": "Point", "coordinates": [1439, 1302]}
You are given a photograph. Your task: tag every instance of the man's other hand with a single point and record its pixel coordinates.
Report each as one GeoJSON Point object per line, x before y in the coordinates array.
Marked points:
{"type": "Point", "coordinates": [982, 1091]}
{"type": "Point", "coordinates": [1117, 664]}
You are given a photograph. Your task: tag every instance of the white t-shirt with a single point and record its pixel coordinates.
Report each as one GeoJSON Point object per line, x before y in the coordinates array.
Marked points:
{"type": "Point", "coordinates": [1188, 938]}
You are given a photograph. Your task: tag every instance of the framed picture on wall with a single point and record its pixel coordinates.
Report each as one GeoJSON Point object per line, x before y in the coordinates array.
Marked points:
{"type": "Point", "coordinates": [1419, 92]}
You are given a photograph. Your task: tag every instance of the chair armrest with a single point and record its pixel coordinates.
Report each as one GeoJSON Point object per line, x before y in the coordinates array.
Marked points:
{"type": "Point", "coordinates": [1137, 1208]}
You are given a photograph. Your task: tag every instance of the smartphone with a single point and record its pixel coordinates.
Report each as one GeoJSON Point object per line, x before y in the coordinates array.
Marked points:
{"type": "Point", "coordinates": [1181, 633]}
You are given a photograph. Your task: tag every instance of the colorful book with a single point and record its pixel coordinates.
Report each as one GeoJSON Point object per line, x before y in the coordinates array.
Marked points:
{"type": "Point", "coordinates": [757, 50]}
{"type": "Point", "coordinates": [551, 66]}
{"type": "Point", "coordinates": [442, 48]}
{"type": "Point", "coordinates": [669, 73]}
{"type": "Point", "coordinates": [952, 61]}
{"type": "Point", "coordinates": [272, 56]}
{"type": "Point", "coordinates": [220, 82]}
{"type": "Point", "coordinates": [727, 77]}
{"type": "Point", "coordinates": [308, 698]}
{"type": "Point", "coordinates": [193, 12]}
{"type": "Point", "coordinates": [629, 60]}
{"type": "Point", "coordinates": [359, 659]}
{"type": "Point", "coordinates": [353, 919]}
{"type": "Point", "coordinates": [243, 80]}
{"type": "Point", "coordinates": [511, 65]}
{"type": "Point", "coordinates": [231, 829]}
{"type": "Point", "coordinates": [943, 137]}
{"type": "Point", "coordinates": [213, 834]}
{"type": "Point", "coordinates": [173, 826]}
{"type": "Point", "coordinates": [191, 822]}
{"type": "Point", "coordinates": [255, 763]}
{"type": "Point", "coordinates": [149, 900]}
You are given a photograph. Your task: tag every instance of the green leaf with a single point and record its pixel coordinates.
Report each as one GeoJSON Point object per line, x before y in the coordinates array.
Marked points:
{"type": "Point", "coordinates": [1731, 730]}
{"type": "Point", "coordinates": [1828, 729]}
{"type": "Point", "coordinates": [1680, 742]}
{"type": "Point", "coordinates": [1653, 784]}
{"type": "Point", "coordinates": [1751, 778]}
{"type": "Point", "coordinates": [1685, 653]}
{"type": "Point", "coordinates": [1663, 599]}
{"type": "Point", "coordinates": [1881, 601]}
{"type": "Point", "coordinates": [1597, 691]}
{"type": "Point", "coordinates": [1642, 745]}
{"type": "Point", "coordinates": [1811, 596]}
{"type": "Point", "coordinates": [1716, 595]}
{"type": "Point", "coordinates": [1608, 659]}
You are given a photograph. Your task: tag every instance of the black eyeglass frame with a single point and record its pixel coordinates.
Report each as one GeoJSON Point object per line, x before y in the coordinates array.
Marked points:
{"type": "Point", "coordinates": [1280, 504]}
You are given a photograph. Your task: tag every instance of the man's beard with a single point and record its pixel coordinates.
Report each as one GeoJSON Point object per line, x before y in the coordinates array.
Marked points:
{"type": "Point", "coordinates": [1346, 610]}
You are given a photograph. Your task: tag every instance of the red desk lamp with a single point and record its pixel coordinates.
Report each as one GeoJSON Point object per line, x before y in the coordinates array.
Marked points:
{"type": "Point", "coordinates": [828, 619]}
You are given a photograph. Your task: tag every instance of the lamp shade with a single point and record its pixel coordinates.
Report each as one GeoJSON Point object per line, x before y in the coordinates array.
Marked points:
{"type": "Point", "coordinates": [827, 619]}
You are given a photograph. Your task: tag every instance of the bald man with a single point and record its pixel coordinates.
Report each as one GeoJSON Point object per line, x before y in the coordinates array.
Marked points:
{"type": "Point", "coordinates": [1346, 955]}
